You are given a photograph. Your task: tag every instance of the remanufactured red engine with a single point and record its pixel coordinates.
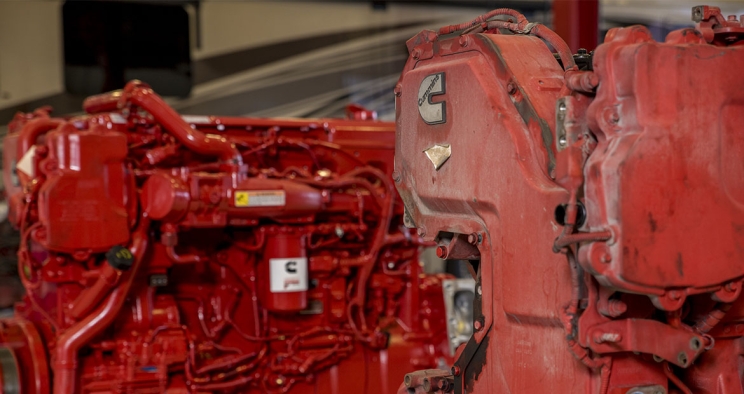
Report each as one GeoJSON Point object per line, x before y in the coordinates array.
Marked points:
{"type": "Point", "coordinates": [175, 254]}
{"type": "Point", "coordinates": [600, 196]}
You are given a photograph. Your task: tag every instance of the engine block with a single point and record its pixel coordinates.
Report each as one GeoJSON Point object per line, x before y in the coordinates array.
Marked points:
{"type": "Point", "coordinates": [173, 254]}
{"type": "Point", "coordinates": [598, 195]}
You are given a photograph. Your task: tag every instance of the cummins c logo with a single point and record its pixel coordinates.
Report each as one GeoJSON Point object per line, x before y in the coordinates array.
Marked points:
{"type": "Point", "coordinates": [432, 113]}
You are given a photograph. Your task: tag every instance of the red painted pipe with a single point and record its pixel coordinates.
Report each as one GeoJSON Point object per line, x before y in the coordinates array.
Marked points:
{"type": "Point", "coordinates": [105, 102]}
{"type": "Point", "coordinates": [143, 96]}
{"type": "Point", "coordinates": [75, 337]}
{"type": "Point", "coordinates": [90, 297]}
{"type": "Point", "coordinates": [32, 130]}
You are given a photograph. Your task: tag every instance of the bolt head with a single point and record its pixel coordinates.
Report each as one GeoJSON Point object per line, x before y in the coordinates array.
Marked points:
{"type": "Point", "coordinates": [477, 325]}
{"type": "Point", "coordinates": [442, 251]}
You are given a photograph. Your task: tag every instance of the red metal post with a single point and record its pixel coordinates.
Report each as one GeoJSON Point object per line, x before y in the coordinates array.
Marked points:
{"type": "Point", "coordinates": [577, 21]}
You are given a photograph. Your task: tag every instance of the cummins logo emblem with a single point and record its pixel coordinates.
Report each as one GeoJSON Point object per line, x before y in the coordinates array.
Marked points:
{"type": "Point", "coordinates": [432, 113]}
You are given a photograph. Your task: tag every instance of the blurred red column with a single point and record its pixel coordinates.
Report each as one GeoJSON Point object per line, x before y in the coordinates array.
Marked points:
{"type": "Point", "coordinates": [577, 21]}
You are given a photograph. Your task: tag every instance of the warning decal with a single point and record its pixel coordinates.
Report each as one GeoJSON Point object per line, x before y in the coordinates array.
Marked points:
{"type": "Point", "coordinates": [260, 198]}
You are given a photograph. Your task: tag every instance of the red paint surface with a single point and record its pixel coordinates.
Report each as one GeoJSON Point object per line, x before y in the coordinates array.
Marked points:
{"type": "Point", "coordinates": [133, 173]}
{"type": "Point", "coordinates": [645, 296]}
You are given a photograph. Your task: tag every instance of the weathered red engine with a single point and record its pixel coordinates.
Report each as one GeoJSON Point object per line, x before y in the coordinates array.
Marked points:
{"type": "Point", "coordinates": [600, 196]}
{"type": "Point", "coordinates": [175, 254]}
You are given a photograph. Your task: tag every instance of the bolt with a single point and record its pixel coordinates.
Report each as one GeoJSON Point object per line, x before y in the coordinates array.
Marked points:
{"type": "Point", "coordinates": [562, 110]}
{"type": "Point", "coordinates": [456, 370]}
{"type": "Point", "coordinates": [442, 252]}
{"type": "Point", "coordinates": [511, 88]}
{"type": "Point", "coordinates": [581, 51]}
{"type": "Point", "coordinates": [464, 40]}
{"type": "Point", "coordinates": [417, 53]}
{"type": "Point", "coordinates": [732, 18]}
{"type": "Point", "coordinates": [473, 238]}
{"type": "Point", "coordinates": [658, 359]}
{"type": "Point", "coordinates": [730, 287]}
{"type": "Point", "coordinates": [477, 325]}
{"type": "Point", "coordinates": [421, 231]}
{"type": "Point", "coordinates": [682, 358]}
{"type": "Point", "coordinates": [674, 294]}
{"type": "Point", "coordinates": [398, 89]}
{"type": "Point", "coordinates": [479, 290]}
{"type": "Point", "coordinates": [606, 258]}
{"type": "Point", "coordinates": [396, 176]}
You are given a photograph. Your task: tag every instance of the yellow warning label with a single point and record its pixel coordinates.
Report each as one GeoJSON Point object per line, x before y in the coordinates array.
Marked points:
{"type": "Point", "coordinates": [259, 198]}
{"type": "Point", "coordinates": [241, 199]}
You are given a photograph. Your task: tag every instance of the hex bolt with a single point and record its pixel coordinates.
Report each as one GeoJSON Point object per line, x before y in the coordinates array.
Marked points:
{"type": "Point", "coordinates": [464, 41]}
{"type": "Point", "coordinates": [511, 88]}
{"type": "Point", "coordinates": [477, 325]}
{"type": "Point", "coordinates": [442, 252]}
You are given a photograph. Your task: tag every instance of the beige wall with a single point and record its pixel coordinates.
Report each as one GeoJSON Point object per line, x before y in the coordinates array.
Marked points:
{"type": "Point", "coordinates": [228, 26]}
{"type": "Point", "coordinates": [30, 50]}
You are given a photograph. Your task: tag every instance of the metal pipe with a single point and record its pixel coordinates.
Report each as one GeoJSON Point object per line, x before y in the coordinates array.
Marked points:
{"type": "Point", "coordinates": [76, 336]}
{"type": "Point", "coordinates": [91, 296]}
{"type": "Point", "coordinates": [32, 130]}
{"type": "Point", "coordinates": [144, 97]}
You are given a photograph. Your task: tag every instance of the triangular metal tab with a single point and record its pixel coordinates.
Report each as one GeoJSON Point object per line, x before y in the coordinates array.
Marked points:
{"type": "Point", "coordinates": [438, 154]}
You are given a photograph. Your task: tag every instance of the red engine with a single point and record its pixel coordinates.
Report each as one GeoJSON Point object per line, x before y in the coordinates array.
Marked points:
{"type": "Point", "coordinates": [175, 254]}
{"type": "Point", "coordinates": [600, 195]}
